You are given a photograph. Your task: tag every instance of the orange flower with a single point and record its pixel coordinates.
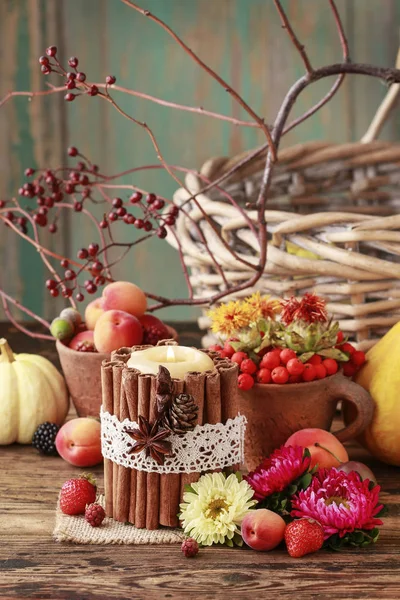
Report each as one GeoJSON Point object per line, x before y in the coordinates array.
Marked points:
{"type": "Point", "coordinates": [311, 309]}
{"type": "Point", "coordinates": [229, 318]}
{"type": "Point", "coordinates": [263, 307]}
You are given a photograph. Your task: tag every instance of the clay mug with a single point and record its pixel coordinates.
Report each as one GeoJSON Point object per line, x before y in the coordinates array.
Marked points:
{"type": "Point", "coordinates": [275, 411]}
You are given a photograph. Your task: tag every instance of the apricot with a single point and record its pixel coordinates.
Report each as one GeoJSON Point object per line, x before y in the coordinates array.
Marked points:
{"type": "Point", "coordinates": [263, 529]}
{"type": "Point", "coordinates": [325, 449]}
{"type": "Point", "coordinates": [126, 296]}
{"type": "Point", "coordinates": [79, 442]}
{"type": "Point", "coordinates": [93, 311]}
{"type": "Point", "coordinates": [116, 328]}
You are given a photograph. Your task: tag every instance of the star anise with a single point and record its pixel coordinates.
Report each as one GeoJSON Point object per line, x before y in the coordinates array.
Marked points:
{"type": "Point", "coordinates": [150, 438]}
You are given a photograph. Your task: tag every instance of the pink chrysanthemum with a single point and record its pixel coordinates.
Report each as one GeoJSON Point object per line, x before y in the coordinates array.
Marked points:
{"type": "Point", "coordinates": [339, 501]}
{"type": "Point", "coordinates": [279, 470]}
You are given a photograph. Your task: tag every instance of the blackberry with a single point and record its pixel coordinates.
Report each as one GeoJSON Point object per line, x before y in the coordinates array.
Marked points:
{"type": "Point", "coordinates": [44, 438]}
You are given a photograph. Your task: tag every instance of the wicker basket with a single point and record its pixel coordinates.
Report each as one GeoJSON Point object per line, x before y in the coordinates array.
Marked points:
{"type": "Point", "coordinates": [333, 227]}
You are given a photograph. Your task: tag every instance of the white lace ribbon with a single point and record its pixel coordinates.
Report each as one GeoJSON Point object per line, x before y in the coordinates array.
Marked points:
{"type": "Point", "coordinates": [206, 448]}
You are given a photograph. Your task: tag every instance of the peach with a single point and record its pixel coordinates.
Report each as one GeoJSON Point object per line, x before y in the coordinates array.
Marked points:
{"type": "Point", "coordinates": [93, 311]}
{"type": "Point", "coordinates": [79, 442]}
{"type": "Point", "coordinates": [126, 296]}
{"type": "Point", "coordinates": [324, 447]}
{"type": "Point", "coordinates": [115, 329]}
{"type": "Point", "coordinates": [263, 529]}
{"type": "Point", "coordinates": [82, 336]}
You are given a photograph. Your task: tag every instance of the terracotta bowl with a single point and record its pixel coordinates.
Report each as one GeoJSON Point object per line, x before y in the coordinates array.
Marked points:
{"type": "Point", "coordinates": [82, 372]}
{"type": "Point", "coordinates": [274, 412]}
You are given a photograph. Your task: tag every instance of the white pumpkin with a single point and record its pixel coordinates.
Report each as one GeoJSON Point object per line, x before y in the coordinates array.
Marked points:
{"type": "Point", "coordinates": [32, 391]}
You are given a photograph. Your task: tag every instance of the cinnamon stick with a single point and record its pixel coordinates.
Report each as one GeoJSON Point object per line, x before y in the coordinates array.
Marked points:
{"type": "Point", "coordinates": [123, 482]}
{"type": "Point", "coordinates": [130, 384]}
{"type": "Point", "coordinates": [170, 485]}
{"type": "Point", "coordinates": [108, 406]}
{"type": "Point", "coordinates": [212, 400]}
{"type": "Point", "coordinates": [228, 372]}
{"type": "Point", "coordinates": [117, 376]}
{"type": "Point", "coordinates": [144, 386]}
{"type": "Point", "coordinates": [194, 385]}
{"type": "Point", "coordinates": [153, 479]}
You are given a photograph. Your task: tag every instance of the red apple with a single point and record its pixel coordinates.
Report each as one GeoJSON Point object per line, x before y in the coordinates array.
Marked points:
{"type": "Point", "coordinates": [115, 329]}
{"type": "Point", "coordinates": [262, 529]}
{"type": "Point", "coordinates": [79, 443]}
{"type": "Point", "coordinates": [84, 336]}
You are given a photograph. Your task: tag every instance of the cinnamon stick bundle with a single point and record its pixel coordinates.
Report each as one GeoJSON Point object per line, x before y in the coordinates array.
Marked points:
{"type": "Point", "coordinates": [170, 485]}
{"type": "Point", "coordinates": [144, 390]}
{"type": "Point", "coordinates": [130, 384]}
{"type": "Point", "coordinates": [228, 372]}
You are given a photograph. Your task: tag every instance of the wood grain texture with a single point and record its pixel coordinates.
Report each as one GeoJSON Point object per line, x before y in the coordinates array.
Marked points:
{"type": "Point", "coordinates": [241, 39]}
{"type": "Point", "coordinates": [33, 566]}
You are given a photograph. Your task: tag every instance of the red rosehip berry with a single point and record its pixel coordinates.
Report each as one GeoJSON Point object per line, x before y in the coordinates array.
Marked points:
{"type": "Point", "coordinates": [91, 288]}
{"type": "Point", "coordinates": [69, 188]}
{"type": "Point", "coordinates": [280, 375]}
{"type": "Point", "coordinates": [73, 62]}
{"type": "Point", "coordinates": [72, 151]}
{"type": "Point", "coordinates": [347, 348]}
{"type": "Point", "coordinates": [54, 292]}
{"type": "Point", "coordinates": [216, 348]}
{"type": "Point", "coordinates": [309, 373]}
{"type": "Point", "coordinates": [112, 216]}
{"type": "Point", "coordinates": [320, 371]}
{"type": "Point", "coordinates": [70, 85]}
{"type": "Point", "coordinates": [67, 293]}
{"type": "Point", "coordinates": [64, 263]}
{"type": "Point", "coordinates": [69, 275]}
{"type": "Point", "coordinates": [170, 221]}
{"type": "Point", "coordinates": [270, 360]}
{"type": "Point", "coordinates": [84, 180]}
{"type": "Point", "coordinates": [129, 219]}
{"type": "Point", "coordinates": [121, 211]}
{"type": "Point", "coordinates": [71, 75]}
{"type": "Point", "coordinates": [78, 206]}
{"type": "Point", "coordinates": [135, 198]}
{"type": "Point", "coordinates": [263, 376]}
{"type": "Point", "coordinates": [81, 76]}
{"type": "Point", "coordinates": [228, 349]}
{"type": "Point", "coordinates": [147, 226]}
{"type": "Point", "coordinates": [51, 50]}
{"type": "Point", "coordinates": [158, 204]}
{"type": "Point", "coordinates": [29, 172]}
{"type": "Point", "coordinates": [117, 202]}
{"type": "Point", "coordinates": [139, 223]}
{"type": "Point", "coordinates": [358, 358]}
{"type": "Point", "coordinates": [349, 369]}
{"type": "Point", "coordinates": [40, 219]}
{"type": "Point", "coordinates": [93, 249]}
{"type": "Point", "coordinates": [44, 60]}
{"type": "Point", "coordinates": [9, 215]}
{"type": "Point", "coordinates": [330, 365]}
{"type": "Point", "coordinates": [51, 284]}
{"type": "Point", "coordinates": [315, 360]}
{"type": "Point", "coordinates": [174, 210]}
{"type": "Point", "coordinates": [245, 382]}
{"type": "Point", "coordinates": [295, 366]}
{"type": "Point", "coordinates": [103, 224]}
{"type": "Point", "coordinates": [190, 547]}
{"type": "Point", "coordinates": [79, 297]}
{"type": "Point", "coordinates": [97, 267]}
{"type": "Point", "coordinates": [53, 228]}
{"type": "Point", "coordinates": [340, 337]}
{"type": "Point", "coordinates": [93, 90]}
{"type": "Point", "coordinates": [161, 232]}
{"type": "Point", "coordinates": [110, 79]}
{"type": "Point", "coordinates": [150, 198]}
{"type": "Point", "coordinates": [46, 70]}
{"type": "Point", "coordinates": [238, 357]}
{"type": "Point", "coordinates": [70, 97]}
{"type": "Point", "coordinates": [248, 366]}
{"type": "Point", "coordinates": [82, 253]}
{"type": "Point", "coordinates": [287, 354]}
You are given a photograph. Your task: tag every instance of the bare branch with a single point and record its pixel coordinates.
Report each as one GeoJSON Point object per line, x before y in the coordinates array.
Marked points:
{"type": "Point", "coordinates": [299, 47]}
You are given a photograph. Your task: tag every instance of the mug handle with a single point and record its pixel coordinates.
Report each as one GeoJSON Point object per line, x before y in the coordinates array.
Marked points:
{"type": "Point", "coordinates": [361, 400]}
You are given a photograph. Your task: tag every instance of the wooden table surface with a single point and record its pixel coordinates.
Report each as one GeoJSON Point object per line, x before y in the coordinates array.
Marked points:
{"type": "Point", "coordinates": [32, 565]}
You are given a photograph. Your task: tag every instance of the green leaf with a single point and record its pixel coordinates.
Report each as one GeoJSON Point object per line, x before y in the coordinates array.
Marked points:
{"type": "Point", "coordinates": [229, 543]}
{"type": "Point", "coordinates": [304, 481]}
{"type": "Point", "coordinates": [306, 356]}
{"type": "Point", "coordinates": [238, 476]}
{"type": "Point", "coordinates": [334, 353]}
{"type": "Point", "coordinates": [383, 512]}
{"type": "Point", "coordinates": [237, 540]}
{"type": "Point", "coordinates": [237, 346]}
{"type": "Point", "coordinates": [188, 488]}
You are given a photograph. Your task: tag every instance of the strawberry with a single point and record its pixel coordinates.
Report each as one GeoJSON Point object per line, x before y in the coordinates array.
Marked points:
{"type": "Point", "coordinates": [303, 536]}
{"type": "Point", "coordinates": [76, 493]}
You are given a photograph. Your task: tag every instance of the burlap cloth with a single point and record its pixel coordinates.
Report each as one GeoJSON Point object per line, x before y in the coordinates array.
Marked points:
{"type": "Point", "coordinates": [78, 531]}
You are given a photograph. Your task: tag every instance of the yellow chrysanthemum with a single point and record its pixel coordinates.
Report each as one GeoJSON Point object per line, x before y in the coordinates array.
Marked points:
{"type": "Point", "coordinates": [230, 318]}
{"type": "Point", "coordinates": [213, 512]}
{"type": "Point", "coordinates": [262, 306]}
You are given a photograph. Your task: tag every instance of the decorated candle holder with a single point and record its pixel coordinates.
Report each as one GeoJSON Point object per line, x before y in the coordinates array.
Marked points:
{"type": "Point", "coordinates": [160, 432]}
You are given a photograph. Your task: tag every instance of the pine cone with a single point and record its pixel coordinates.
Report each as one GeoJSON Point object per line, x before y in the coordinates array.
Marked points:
{"type": "Point", "coordinates": [182, 415]}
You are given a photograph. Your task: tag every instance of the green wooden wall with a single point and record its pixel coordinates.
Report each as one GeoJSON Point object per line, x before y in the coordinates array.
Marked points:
{"type": "Point", "coordinates": [240, 39]}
